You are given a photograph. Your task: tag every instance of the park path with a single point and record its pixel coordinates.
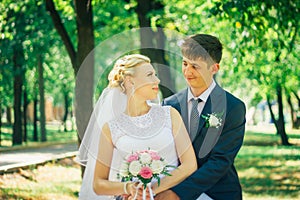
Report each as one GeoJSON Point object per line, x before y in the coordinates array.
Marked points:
{"type": "Point", "coordinates": [12, 160]}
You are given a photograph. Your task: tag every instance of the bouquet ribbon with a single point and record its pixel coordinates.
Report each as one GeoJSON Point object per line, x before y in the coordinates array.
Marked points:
{"type": "Point", "coordinates": [144, 191]}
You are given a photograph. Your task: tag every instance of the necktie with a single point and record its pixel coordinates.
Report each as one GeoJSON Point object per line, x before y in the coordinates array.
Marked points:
{"type": "Point", "coordinates": [194, 118]}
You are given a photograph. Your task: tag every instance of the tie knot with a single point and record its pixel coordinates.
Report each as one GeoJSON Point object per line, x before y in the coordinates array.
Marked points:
{"type": "Point", "coordinates": [194, 101]}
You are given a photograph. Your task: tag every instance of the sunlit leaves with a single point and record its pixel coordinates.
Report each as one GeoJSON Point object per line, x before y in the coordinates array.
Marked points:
{"type": "Point", "coordinates": [112, 17]}
{"type": "Point", "coordinates": [66, 8]}
{"type": "Point", "coordinates": [264, 31]}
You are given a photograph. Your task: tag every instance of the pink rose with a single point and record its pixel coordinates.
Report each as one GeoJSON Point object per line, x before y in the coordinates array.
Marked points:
{"type": "Point", "coordinates": [146, 172]}
{"type": "Point", "coordinates": [154, 155]}
{"type": "Point", "coordinates": [132, 157]}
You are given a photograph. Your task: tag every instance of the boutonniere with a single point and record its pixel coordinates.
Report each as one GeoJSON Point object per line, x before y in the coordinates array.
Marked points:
{"type": "Point", "coordinates": [213, 120]}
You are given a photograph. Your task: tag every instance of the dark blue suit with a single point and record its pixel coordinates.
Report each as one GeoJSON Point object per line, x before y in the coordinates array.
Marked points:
{"type": "Point", "coordinates": [215, 148]}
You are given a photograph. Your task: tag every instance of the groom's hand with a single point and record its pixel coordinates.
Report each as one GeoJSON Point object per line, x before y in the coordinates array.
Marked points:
{"type": "Point", "coordinates": [167, 195]}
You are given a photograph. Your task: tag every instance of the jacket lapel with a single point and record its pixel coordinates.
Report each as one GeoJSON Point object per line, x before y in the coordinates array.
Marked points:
{"type": "Point", "coordinates": [208, 136]}
{"type": "Point", "coordinates": [206, 110]}
{"type": "Point", "coordinates": [182, 101]}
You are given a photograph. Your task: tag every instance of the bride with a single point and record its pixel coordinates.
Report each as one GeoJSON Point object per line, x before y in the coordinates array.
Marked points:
{"type": "Point", "coordinates": [123, 121]}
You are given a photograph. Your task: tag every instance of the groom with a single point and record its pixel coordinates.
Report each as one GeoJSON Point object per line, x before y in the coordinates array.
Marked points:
{"type": "Point", "coordinates": [215, 120]}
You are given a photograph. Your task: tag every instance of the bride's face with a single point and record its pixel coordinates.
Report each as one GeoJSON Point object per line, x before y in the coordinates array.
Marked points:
{"type": "Point", "coordinates": [145, 82]}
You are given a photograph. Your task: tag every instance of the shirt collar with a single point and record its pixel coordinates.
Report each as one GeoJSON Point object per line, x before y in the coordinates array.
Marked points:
{"type": "Point", "coordinates": [204, 96]}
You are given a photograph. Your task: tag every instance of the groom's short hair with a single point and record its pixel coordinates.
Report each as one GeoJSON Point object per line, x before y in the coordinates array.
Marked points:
{"type": "Point", "coordinates": [203, 46]}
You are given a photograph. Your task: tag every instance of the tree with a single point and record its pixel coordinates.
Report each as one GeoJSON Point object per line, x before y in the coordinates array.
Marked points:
{"type": "Point", "coordinates": [265, 37]}
{"type": "Point", "coordinates": [16, 32]}
{"type": "Point", "coordinates": [85, 45]}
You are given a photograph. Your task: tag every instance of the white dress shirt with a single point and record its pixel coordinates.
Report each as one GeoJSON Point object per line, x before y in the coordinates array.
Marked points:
{"type": "Point", "coordinates": [204, 96]}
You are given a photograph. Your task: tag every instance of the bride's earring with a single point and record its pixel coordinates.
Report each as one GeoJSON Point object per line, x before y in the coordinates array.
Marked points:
{"type": "Point", "coordinates": [123, 87]}
{"type": "Point", "coordinates": [132, 89]}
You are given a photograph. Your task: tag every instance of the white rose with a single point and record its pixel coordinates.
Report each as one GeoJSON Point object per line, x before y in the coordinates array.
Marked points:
{"type": "Point", "coordinates": [135, 167]}
{"type": "Point", "coordinates": [145, 158]}
{"type": "Point", "coordinates": [214, 121]}
{"type": "Point", "coordinates": [157, 166]}
{"type": "Point", "coordinates": [124, 169]}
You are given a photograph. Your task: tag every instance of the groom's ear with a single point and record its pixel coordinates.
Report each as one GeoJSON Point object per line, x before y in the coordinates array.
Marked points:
{"type": "Point", "coordinates": [215, 68]}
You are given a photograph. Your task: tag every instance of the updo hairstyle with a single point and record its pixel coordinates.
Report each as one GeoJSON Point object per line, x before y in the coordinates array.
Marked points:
{"type": "Point", "coordinates": [125, 67]}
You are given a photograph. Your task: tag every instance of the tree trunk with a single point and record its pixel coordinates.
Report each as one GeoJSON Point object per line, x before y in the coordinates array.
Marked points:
{"type": "Point", "coordinates": [85, 62]}
{"type": "Point", "coordinates": [66, 99]}
{"type": "Point", "coordinates": [25, 104]}
{"type": "Point", "coordinates": [167, 85]}
{"type": "Point", "coordinates": [146, 33]}
{"type": "Point", "coordinates": [35, 119]}
{"type": "Point", "coordinates": [58, 24]}
{"type": "Point", "coordinates": [18, 82]}
{"type": "Point", "coordinates": [292, 110]}
{"type": "Point", "coordinates": [298, 98]}
{"type": "Point", "coordinates": [272, 113]}
{"type": "Point", "coordinates": [153, 44]}
{"type": "Point", "coordinates": [281, 123]}
{"type": "Point", "coordinates": [297, 122]}
{"type": "Point", "coordinates": [42, 98]}
{"type": "Point", "coordinates": [0, 122]}
{"type": "Point", "coordinates": [8, 115]}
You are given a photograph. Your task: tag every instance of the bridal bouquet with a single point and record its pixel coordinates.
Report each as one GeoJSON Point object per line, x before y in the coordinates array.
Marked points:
{"type": "Point", "coordinates": [144, 166]}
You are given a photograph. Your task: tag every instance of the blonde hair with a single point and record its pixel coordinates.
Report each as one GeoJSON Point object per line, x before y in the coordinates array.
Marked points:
{"type": "Point", "coordinates": [125, 67]}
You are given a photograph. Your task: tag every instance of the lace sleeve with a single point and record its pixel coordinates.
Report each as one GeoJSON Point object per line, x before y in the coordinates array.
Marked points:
{"type": "Point", "coordinates": [115, 132]}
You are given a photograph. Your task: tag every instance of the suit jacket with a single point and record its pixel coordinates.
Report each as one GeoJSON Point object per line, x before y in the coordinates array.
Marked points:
{"type": "Point", "coordinates": [215, 148]}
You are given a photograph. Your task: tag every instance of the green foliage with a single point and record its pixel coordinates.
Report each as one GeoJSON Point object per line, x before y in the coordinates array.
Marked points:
{"type": "Point", "coordinates": [5, 77]}
{"type": "Point", "coordinates": [112, 17]}
{"type": "Point", "coordinates": [28, 23]}
{"type": "Point", "coordinates": [263, 40]}
{"type": "Point", "coordinates": [186, 16]}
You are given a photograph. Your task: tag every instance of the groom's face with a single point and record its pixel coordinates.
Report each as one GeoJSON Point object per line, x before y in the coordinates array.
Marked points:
{"type": "Point", "coordinates": [197, 73]}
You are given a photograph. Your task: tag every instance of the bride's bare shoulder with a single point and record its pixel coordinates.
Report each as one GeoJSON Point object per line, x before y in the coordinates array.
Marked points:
{"type": "Point", "coordinates": [175, 116]}
{"type": "Point", "coordinates": [106, 130]}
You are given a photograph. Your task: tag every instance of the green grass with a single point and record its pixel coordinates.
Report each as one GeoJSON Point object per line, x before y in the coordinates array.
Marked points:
{"type": "Point", "coordinates": [54, 132]}
{"type": "Point", "coordinates": [267, 169]}
{"type": "Point", "coordinates": [52, 181]}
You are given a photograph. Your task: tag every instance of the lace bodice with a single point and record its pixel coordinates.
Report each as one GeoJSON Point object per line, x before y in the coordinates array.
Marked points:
{"type": "Point", "coordinates": [143, 126]}
{"type": "Point", "coordinates": [152, 130]}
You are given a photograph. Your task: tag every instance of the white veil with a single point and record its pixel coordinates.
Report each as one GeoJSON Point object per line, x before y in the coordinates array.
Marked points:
{"type": "Point", "coordinates": [110, 105]}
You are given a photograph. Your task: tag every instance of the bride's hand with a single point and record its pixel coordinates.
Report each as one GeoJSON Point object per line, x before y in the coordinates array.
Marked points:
{"type": "Point", "coordinates": [136, 192]}
{"type": "Point", "coordinates": [133, 190]}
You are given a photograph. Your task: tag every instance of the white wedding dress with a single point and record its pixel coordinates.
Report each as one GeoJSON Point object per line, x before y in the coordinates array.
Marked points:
{"type": "Point", "coordinates": [129, 134]}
